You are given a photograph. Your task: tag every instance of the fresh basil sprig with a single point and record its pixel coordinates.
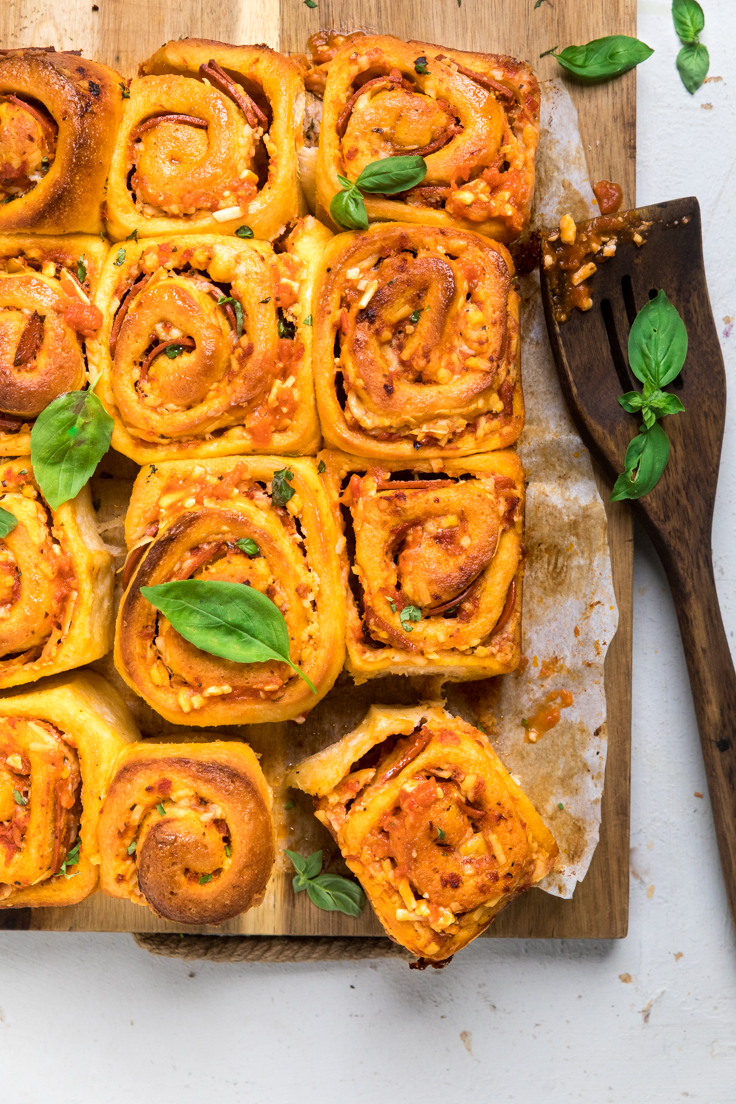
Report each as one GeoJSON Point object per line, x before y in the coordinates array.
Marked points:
{"type": "Point", "coordinates": [8, 523]}
{"type": "Point", "coordinates": [68, 440]}
{"type": "Point", "coordinates": [693, 60]}
{"type": "Point", "coordinates": [230, 620]}
{"type": "Point", "coordinates": [657, 351]}
{"type": "Point", "coordinates": [603, 57]}
{"type": "Point", "coordinates": [385, 177]}
{"type": "Point", "coordinates": [329, 892]}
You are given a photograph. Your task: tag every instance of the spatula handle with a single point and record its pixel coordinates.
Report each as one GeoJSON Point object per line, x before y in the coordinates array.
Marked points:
{"type": "Point", "coordinates": [713, 682]}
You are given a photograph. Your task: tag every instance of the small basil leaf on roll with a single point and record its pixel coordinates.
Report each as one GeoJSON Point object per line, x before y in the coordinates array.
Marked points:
{"type": "Point", "coordinates": [68, 440]}
{"type": "Point", "coordinates": [8, 522]}
{"type": "Point", "coordinates": [230, 620]}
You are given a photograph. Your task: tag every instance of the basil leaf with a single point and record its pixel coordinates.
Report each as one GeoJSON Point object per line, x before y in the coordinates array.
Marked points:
{"type": "Point", "coordinates": [81, 270]}
{"type": "Point", "coordinates": [409, 613]}
{"type": "Point", "coordinates": [693, 62]}
{"type": "Point", "coordinates": [230, 620]}
{"type": "Point", "coordinates": [298, 862]}
{"type": "Point", "coordinates": [244, 232]}
{"type": "Point", "coordinates": [631, 401]}
{"type": "Point", "coordinates": [281, 489]}
{"type": "Point", "coordinates": [420, 65]}
{"type": "Point", "coordinates": [8, 522]}
{"type": "Point", "coordinates": [415, 316]}
{"type": "Point", "coordinates": [313, 865]}
{"type": "Point", "coordinates": [120, 258]}
{"type": "Point", "coordinates": [161, 809]}
{"type": "Point", "coordinates": [604, 57]}
{"type": "Point", "coordinates": [310, 3]}
{"type": "Point", "coordinates": [392, 174]}
{"type": "Point", "coordinates": [133, 236]}
{"type": "Point", "coordinates": [646, 459]}
{"type": "Point", "coordinates": [68, 440]}
{"type": "Point", "coordinates": [18, 798]}
{"type": "Point", "coordinates": [205, 878]}
{"type": "Point", "coordinates": [321, 467]}
{"type": "Point", "coordinates": [237, 308]}
{"type": "Point", "coordinates": [173, 351]}
{"type": "Point", "coordinates": [657, 342]}
{"type": "Point", "coordinates": [348, 210]}
{"type": "Point", "coordinates": [689, 19]}
{"type": "Point", "coordinates": [664, 403]}
{"type": "Point", "coordinates": [332, 893]}
{"type": "Point", "coordinates": [307, 321]}
{"type": "Point", "coordinates": [131, 847]}
{"type": "Point", "coordinates": [249, 546]}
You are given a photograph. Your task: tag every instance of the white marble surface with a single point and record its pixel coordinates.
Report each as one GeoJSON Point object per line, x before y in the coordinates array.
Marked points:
{"type": "Point", "coordinates": [89, 1017]}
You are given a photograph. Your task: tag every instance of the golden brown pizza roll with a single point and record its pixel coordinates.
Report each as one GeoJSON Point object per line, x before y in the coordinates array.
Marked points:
{"type": "Point", "coordinates": [59, 115]}
{"type": "Point", "coordinates": [430, 821]}
{"type": "Point", "coordinates": [56, 581]}
{"type": "Point", "coordinates": [473, 117]}
{"type": "Point", "coordinates": [208, 143]}
{"type": "Point", "coordinates": [46, 319]}
{"type": "Point", "coordinates": [433, 564]}
{"type": "Point", "coordinates": [58, 746]}
{"type": "Point", "coordinates": [416, 343]}
{"type": "Point", "coordinates": [263, 521]}
{"type": "Point", "coordinates": [187, 829]}
{"type": "Point", "coordinates": [206, 345]}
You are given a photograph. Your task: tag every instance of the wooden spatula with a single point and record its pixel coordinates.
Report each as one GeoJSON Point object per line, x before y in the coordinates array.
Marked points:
{"type": "Point", "coordinates": [590, 354]}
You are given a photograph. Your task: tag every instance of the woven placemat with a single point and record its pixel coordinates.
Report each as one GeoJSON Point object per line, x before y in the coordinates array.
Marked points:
{"type": "Point", "coordinates": [264, 948]}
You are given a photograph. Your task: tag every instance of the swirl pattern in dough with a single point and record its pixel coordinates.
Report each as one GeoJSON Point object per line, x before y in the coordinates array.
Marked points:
{"type": "Point", "coordinates": [433, 564]}
{"type": "Point", "coordinates": [59, 115]}
{"type": "Point", "coordinates": [206, 345]}
{"type": "Point", "coordinates": [473, 117]}
{"type": "Point", "coordinates": [431, 823]}
{"type": "Point", "coordinates": [187, 829]}
{"type": "Point", "coordinates": [208, 143]}
{"type": "Point", "coordinates": [58, 746]}
{"type": "Point", "coordinates": [416, 345]}
{"type": "Point", "coordinates": [185, 522]}
{"type": "Point", "coordinates": [56, 582]}
{"type": "Point", "coordinates": [46, 319]}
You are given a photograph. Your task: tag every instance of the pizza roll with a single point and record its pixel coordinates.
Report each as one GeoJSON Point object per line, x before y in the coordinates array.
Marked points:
{"type": "Point", "coordinates": [187, 829]}
{"type": "Point", "coordinates": [46, 319]}
{"type": "Point", "coordinates": [474, 118]}
{"type": "Point", "coordinates": [58, 746]}
{"type": "Point", "coordinates": [208, 142]}
{"type": "Point", "coordinates": [429, 820]}
{"type": "Point", "coordinates": [56, 582]}
{"type": "Point", "coordinates": [206, 345]}
{"type": "Point", "coordinates": [433, 564]}
{"type": "Point", "coordinates": [416, 344]}
{"type": "Point", "coordinates": [59, 115]}
{"type": "Point", "coordinates": [221, 520]}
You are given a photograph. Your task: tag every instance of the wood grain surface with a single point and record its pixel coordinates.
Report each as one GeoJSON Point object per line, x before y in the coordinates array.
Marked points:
{"type": "Point", "coordinates": [122, 33]}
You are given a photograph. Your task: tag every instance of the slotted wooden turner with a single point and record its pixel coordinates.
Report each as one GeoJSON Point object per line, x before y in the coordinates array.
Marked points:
{"type": "Point", "coordinates": [590, 353]}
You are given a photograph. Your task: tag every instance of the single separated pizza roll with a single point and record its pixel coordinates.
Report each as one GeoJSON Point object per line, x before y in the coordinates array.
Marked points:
{"type": "Point", "coordinates": [265, 522]}
{"type": "Point", "coordinates": [46, 320]}
{"type": "Point", "coordinates": [474, 118]}
{"type": "Point", "coordinates": [432, 564]}
{"type": "Point", "coordinates": [56, 581]}
{"type": "Point", "coordinates": [187, 829]}
{"type": "Point", "coordinates": [208, 142]}
{"type": "Point", "coordinates": [58, 746]}
{"type": "Point", "coordinates": [59, 114]}
{"type": "Point", "coordinates": [206, 345]}
{"type": "Point", "coordinates": [416, 343]}
{"type": "Point", "coordinates": [430, 821]}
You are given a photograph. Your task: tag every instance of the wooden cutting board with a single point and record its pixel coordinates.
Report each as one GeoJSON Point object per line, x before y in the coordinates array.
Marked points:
{"type": "Point", "coordinates": [122, 33]}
